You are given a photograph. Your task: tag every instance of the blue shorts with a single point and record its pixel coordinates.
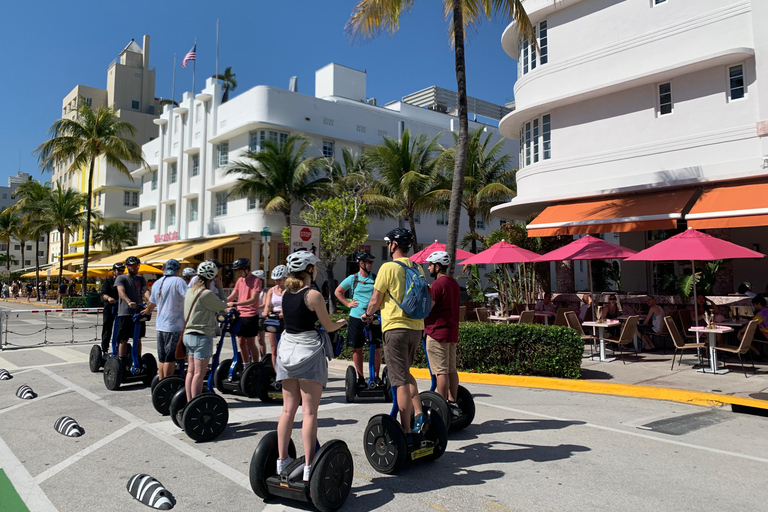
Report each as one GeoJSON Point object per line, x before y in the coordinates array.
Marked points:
{"type": "Point", "coordinates": [199, 345]}
{"type": "Point", "coordinates": [166, 346]}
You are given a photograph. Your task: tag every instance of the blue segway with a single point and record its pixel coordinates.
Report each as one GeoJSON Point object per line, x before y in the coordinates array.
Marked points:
{"type": "Point", "coordinates": [267, 388]}
{"type": "Point", "coordinates": [230, 377]}
{"type": "Point", "coordinates": [136, 367]}
{"type": "Point", "coordinates": [455, 417]}
{"type": "Point", "coordinates": [374, 388]}
{"type": "Point", "coordinates": [97, 357]}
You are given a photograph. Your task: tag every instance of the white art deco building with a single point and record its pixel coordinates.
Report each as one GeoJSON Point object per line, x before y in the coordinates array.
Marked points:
{"type": "Point", "coordinates": [641, 116]}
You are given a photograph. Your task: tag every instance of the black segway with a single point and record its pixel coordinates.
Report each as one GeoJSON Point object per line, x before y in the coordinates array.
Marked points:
{"type": "Point", "coordinates": [267, 388]}
{"type": "Point", "coordinates": [455, 417]}
{"type": "Point", "coordinates": [164, 390]}
{"type": "Point", "coordinates": [204, 417]}
{"type": "Point", "coordinates": [374, 389]}
{"type": "Point", "coordinates": [229, 376]}
{"type": "Point", "coordinates": [136, 367]}
{"type": "Point", "coordinates": [97, 357]}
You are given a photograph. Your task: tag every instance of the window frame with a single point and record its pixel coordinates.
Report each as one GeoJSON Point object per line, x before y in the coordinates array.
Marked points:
{"type": "Point", "coordinates": [171, 220]}
{"type": "Point", "coordinates": [329, 146]}
{"type": "Point", "coordinates": [528, 59]}
{"type": "Point", "coordinates": [194, 165]}
{"type": "Point", "coordinates": [660, 103]}
{"type": "Point", "coordinates": [173, 173]}
{"type": "Point", "coordinates": [153, 220]}
{"type": "Point", "coordinates": [222, 153]}
{"type": "Point", "coordinates": [193, 209]}
{"type": "Point", "coordinates": [729, 82]}
{"type": "Point", "coordinates": [536, 140]}
{"type": "Point", "coordinates": [221, 204]}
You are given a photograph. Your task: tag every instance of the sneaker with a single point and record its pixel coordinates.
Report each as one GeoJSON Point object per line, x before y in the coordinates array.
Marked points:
{"type": "Point", "coordinates": [420, 423]}
{"type": "Point", "coordinates": [361, 382]}
{"type": "Point", "coordinates": [455, 409]}
{"type": "Point", "coordinates": [379, 382]}
{"type": "Point", "coordinates": [282, 464]}
{"type": "Point", "coordinates": [307, 470]}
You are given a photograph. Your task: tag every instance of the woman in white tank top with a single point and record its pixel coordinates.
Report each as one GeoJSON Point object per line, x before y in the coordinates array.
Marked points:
{"type": "Point", "coordinates": [273, 302]}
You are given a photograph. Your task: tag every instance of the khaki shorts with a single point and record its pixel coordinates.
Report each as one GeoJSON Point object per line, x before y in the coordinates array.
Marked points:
{"type": "Point", "coordinates": [442, 356]}
{"type": "Point", "coordinates": [399, 348]}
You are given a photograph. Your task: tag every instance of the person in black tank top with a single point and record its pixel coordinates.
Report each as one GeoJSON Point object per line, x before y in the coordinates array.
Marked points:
{"type": "Point", "coordinates": [302, 367]}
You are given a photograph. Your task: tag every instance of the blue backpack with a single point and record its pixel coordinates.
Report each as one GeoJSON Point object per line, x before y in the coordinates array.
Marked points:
{"type": "Point", "coordinates": [416, 299]}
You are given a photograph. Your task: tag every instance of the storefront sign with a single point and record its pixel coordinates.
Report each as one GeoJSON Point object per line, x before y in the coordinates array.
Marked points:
{"type": "Point", "coordinates": [305, 237]}
{"type": "Point", "coordinates": [168, 237]}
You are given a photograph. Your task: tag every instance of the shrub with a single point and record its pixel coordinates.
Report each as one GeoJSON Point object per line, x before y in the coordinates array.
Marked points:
{"type": "Point", "coordinates": [75, 302]}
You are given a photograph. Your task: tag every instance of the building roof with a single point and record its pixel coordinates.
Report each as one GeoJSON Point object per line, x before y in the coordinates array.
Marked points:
{"type": "Point", "coordinates": [132, 47]}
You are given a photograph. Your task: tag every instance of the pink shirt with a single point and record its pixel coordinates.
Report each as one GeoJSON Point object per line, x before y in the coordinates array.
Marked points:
{"type": "Point", "coordinates": [245, 288]}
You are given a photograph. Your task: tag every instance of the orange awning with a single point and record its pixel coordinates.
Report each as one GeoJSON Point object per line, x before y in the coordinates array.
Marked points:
{"type": "Point", "coordinates": [731, 206]}
{"type": "Point", "coordinates": [618, 214]}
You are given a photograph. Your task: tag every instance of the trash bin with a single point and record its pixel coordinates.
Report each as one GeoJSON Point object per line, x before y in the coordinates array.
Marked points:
{"type": "Point", "coordinates": [93, 300]}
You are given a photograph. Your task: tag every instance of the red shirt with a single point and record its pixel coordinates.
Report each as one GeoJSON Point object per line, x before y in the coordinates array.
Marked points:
{"type": "Point", "coordinates": [442, 324]}
{"type": "Point", "coordinates": [245, 288]}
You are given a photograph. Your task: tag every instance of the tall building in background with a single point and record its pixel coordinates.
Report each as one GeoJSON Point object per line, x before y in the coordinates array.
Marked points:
{"type": "Point", "coordinates": [131, 92]}
{"type": "Point", "coordinates": [27, 259]}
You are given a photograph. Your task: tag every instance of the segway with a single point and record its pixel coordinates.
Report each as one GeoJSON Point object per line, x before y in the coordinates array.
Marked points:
{"type": "Point", "coordinates": [164, 390]}
{"type": "Point", "coordinates": [455, 418]}
{"type": "Point", "coordinates": [380, 389]}
{"type": "Point", "coordinates": [98, 358]}
{"type": "Point", "coordinates": [204, 417]}
{"type": "Point", "coordinates": [134, 368]}
{"type": "Point", "coordinates": [267, 388]}
{"type": "Point", "coordinates": [229, 376]}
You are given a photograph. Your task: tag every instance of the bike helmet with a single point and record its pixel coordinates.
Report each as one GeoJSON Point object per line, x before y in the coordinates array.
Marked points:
{"type": "Point", "coordinates": [131, 261]}
{"type": "Point", "coordinates": [363, 255]}
{"type": "Point", "coordinates": [279, 272]}
{"type": "Point", "coordinates": [440, 257]}
{"type": "Point", "coordinates": [259, 274]}
{"type": "Point", "coordinates": [216, 262]}
{"type": "Point", "coordinates": [300, 260]}
{"type": "Point", "coordinates": [171, 267]}
{"type": "Point", "coordinates": [241, 263]}
{"type": "Point", "coordinates": [189, 272]}
{"type": "Point", "coordinates": [207, 270]}
{"type": "Point", "coordinates": [401, 236]}
{"type": "Point", "coordinates": [120, 267]}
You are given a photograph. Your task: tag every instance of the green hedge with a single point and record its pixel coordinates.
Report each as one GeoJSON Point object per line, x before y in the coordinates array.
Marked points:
{"type": "Point", "coordinates": [516, 349]}
{"type": "Point", "coordinates": [75, 302]}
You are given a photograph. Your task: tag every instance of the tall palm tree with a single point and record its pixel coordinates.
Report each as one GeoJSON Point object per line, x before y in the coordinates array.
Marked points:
{"type": "Point", "coordinates": [9, 222]}
{"type": "Point", "coordinates": [115, 236]}
{"type": "Point", "coordinates": [24, 233]}
{"type": "Point", "coordinates": [84, 140]}
{"type": "Point", "coordinates": [31, 196]}
{"type": "Point", "coordinates": [280, 176]}
{"type": "Point", "coordinates": [406, 172]}
{"type": "Point", "coordinates": [65, 210]}
{"type": "Point", "coordinates": [350, 176]}
{"type": "Point", "coordinates": [488, 180]}
{"type": "Point", "coordinates": [370, 18]}
{"type": "Point", "coordinates": [230, 83]}
{"type": "Point", "coordinates": [8, 259]}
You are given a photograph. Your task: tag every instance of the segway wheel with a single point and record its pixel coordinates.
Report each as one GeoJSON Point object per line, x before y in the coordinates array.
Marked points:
{"type": "Point", "coordinates": [148, 368]}
{"type": "Point", "coordinates": [266, 359]}
{"type": "Point", "coordinates": [331, 477]}
{"type": "Point", "coordinates": [384, 444]}
{"type": "Point", "coordinates": [249, 380]}
{"type": "Point", "coordinates": [220, 375]}
{"type": "Point", "coordinates": [437, 433]}
{"type": "Point", "coordinates": [350, 384]}
{"type": "Point", "coordinates": [266, 384]}
{"type": "Point", "coordinates": [264, 464]}
{"type": "Point", "coordinates": [387, 386]}
{"type": "Point", "coordinates": [94, 359]}
{"type": "Point", "coordinates": [438, 404]}
{"type": "Point", "coordinates": [178, 402]}
{"type": "Point", "coordinates": [155, 380]}
{"type": "Point", "coordinates": [113, 373]}
{"type": "Point", "coordinates": [205, 417]}
{"type": "Point", "coordinates": [164, 392]}
{"type": "Point", "coordinates": [467, 406]}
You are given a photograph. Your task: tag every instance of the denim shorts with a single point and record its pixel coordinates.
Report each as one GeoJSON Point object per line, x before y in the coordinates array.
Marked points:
{"type": "Point", "coordinates": [199, 345]}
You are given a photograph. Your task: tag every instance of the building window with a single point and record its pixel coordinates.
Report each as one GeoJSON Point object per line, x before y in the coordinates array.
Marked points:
{"type": "Point", "coordinates": [528, 58]}
{"type": "Point", "coordinates": [221, 203]}
{"type": "Point", "coordinates": [88, 101]}
{"type": "Point", "coordinates": [258, 138]}
{"type": "Point", "coordinates": [222, 152]}
{"type": "Point", "coordinates": [134, 199]}
{"type": "Point", "coordinates": [441, 219]}
{"type": "Point", "coordinates": [384, 253]}
{"type": "Point", "coordinates": [736, 82]}
{"type": "Point", "coordinates": [141, 221]}
{"type": "Point", "coordinates": [27, 247]}
{"type": "Point", "coordinates": [665, 98]}
{"type": "Point", "coordinates": [154, 180]}
{"type": "Point", "coordinates": [127, 198]}
{"type": "Point", "coordinates": [195, 165]}
{"type": "Point", "coordinates": [171, 215]}
{"type": "Point", "coordinates": [328, 148]}
{"type": "Point", "coordinates": [193, 210]}
{"type": "Point", "coordinates": [27, 263]}
{"type": "Point", "coordinates": [417, 218]}
{"type": "Point", "coordinates": [251, 203]}
{"type": "Point", "coordinates": [173, 173]}
{"type": "Point", "coordinates": [135, 105]}
{"type": "Point", "coordinates": [535, 140]}
{"type": "Point", "coordinates": [153, 219]}
{"type": "Point", "coordinates": [228, 255]}
{"type": "Point", "coordinates": [479, 223]}
{"type": "Point", "coordinates": [546, 136]}
{"type": "Point", "coordinates": [98, 198]}
{"type": "Point", "coordinates": [151, 112]}
{"type": "Point", "coordinates": [659, 2]}
{"type": "Point", "coordinates": [5, 196]}
{"type": "Point", "coordinates": [17, 247]}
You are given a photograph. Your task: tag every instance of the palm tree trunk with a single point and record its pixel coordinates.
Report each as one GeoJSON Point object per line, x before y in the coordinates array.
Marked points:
{"type": "Point", "coordinates": [87, 229]}
{"type": "Point", "coordinates": [37, 266]}
{"type": "Point", "coordinates": [472, 231]}
{"type": "Point", "coordinates": [331, 288]}
{"type": "Point", "coordinates": [412, 224]}
{"type": "Point", "coordinates": [8, 256]}
{"type": "Point", "coordinates": [61, 253]}
{"type": "Point", "coordinates": [460, 159]}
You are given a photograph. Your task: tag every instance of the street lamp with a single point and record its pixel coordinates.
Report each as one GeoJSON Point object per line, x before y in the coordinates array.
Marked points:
{"type": "Point", "coordinates": [266, 237]}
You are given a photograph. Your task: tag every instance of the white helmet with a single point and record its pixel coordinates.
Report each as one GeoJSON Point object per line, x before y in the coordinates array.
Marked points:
{"type": "Point", "coordinates": [189, 272]}
{"type": "Point", "coordinates": [279, 272]}
{"type": "Point", "coordinates": [207, 270]}
{"type": "Point", "coordinates": [440, 257]}
{"type": "Point", "coordinates": [259, 274]}
{"type": "Point", "coordinates": [300, 260]}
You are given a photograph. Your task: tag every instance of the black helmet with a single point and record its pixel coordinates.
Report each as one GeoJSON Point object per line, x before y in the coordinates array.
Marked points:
{"type": "Point", "coordinates": [402, 236]}
{"type": "Point", "coordinates": [363, 255]}
{"type": "Point", "coordinates": [132, 260]}
{"type": "Point", "coordinates": [120, 267]}
{"type": "Point", "coordinates": [216, 262]}
{"type": "Point", "coordinates": [241, 263]}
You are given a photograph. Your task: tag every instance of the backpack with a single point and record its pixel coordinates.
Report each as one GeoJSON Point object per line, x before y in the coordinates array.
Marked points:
{"type": "Point", "coordinates": [416, 299]}
{"type": "Point", "coordinates": [357, 280]}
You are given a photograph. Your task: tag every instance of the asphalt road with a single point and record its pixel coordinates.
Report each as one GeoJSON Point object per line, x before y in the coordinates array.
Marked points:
{"type": "Point", "coordinates": [527, 450]}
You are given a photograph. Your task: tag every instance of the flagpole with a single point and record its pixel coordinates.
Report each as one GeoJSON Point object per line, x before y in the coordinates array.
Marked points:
{"type": "Point", "coordinates": [194, 70]}
{"type": "Point", "coordinates": [173, 86]}
{"type": "Point", "coordinates": [217, 49]}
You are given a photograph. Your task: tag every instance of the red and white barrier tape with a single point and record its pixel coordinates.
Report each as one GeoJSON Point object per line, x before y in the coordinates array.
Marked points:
{"type": "Point", "coordinates": [80, 310]}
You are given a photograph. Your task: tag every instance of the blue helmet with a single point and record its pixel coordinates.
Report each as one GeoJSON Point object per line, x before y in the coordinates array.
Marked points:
{"type": "Point", "coordinates": [171, 267]}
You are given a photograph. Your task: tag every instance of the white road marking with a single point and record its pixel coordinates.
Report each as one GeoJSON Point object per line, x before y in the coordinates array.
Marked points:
{"type": "Point", "coordinates": [628, 433]}
{"type": "Point", "coordinates": [31, 493]}
{"type": "Point", "coordinates": [27, 402]}
{"type": "Point", "coordinates": [68, 355]}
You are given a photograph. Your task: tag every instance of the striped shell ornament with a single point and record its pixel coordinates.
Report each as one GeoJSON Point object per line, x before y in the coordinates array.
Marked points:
{"type": "Point", "coordinates": [150, 492]}
{"type": "Point", "coordinates": [25, 392]}
{"type": "Point", "coordinates": [5, 374]}
{"type": "Point", "coordinates": [69, 427]}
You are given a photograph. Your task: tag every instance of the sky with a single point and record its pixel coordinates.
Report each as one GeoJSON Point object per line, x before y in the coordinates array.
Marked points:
{"type": "Point", "coordinates": [49, 47]}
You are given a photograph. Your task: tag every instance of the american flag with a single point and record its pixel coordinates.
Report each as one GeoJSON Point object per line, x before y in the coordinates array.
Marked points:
{"type": "Point", "coordinates": [191, 55]}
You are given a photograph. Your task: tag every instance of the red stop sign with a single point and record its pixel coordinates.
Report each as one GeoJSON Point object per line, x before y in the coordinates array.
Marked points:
{"type": "Point", "coordinates": [305, 234]}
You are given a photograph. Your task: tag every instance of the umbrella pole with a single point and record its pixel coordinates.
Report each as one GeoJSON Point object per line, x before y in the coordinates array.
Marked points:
{"type": "Point", "coordinates": [591, 293]}
{"type": "Point", "coordinates": [695, 301]}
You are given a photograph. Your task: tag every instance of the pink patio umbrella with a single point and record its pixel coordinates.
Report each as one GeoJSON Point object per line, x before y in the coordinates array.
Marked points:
{"type": "Point", "coordinates": [588, 248]}
{"type": "Point", "coordinates": [421, 256]}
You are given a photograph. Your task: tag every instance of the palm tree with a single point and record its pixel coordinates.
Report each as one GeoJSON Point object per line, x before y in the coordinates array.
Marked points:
{"type": "Point", "coordinates": [8, 259]}
{"type": "Point", "coordinates": [85, 139]}
{"type": "Point", "coordinates": [24, 233]}
{"type": "Point", "coordinates": [488, 181]}
{"type": "Point", "coordinates": [280, 176]}
{"type": "Point", "coordinates": [230, 83]}
{"type": "Point", "coordinates": [115, 236]}
{"type": "Point", "coordinates": [9, 222]}
{"type": "Point", "coordinates": [406, 174]}
{"type": "Point", "coordinates": [32, 195]}
{"type": "Point", "coordinates": [350, 176]}
{"type": "Point", "coordinates": [64, 209]}
{"type": "Point", "coordinates": [165, 102]}
{"type": "Point", "coordinates": [370, 18]}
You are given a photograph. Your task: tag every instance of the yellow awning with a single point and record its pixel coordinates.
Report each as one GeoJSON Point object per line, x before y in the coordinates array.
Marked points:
{"type": "Point", "coordinates": [108, 261]}
{"type": "Point", "coordinates": [54, 273]}
{"type": "Point", "coordinates": [167, 252]}
{"type": "Point", "coordinates": [185, 250]}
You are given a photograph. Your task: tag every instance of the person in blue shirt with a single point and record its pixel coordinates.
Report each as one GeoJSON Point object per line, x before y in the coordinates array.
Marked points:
{"type": "Point", "coordinates": [361, 284]}
{"type": "Point", "coordinates": [167, 296]}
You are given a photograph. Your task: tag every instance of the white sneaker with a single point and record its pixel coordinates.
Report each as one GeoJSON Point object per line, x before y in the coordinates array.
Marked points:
{"type": "Point", "coordinates": [282, 464]}
{"type": "Point", "coordinates": [307, 469]}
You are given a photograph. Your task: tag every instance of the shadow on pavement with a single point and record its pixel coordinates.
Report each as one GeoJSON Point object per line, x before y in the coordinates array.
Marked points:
{"type": "Point", "coordinates": [509, 425]}
{"type": "Point", "coordinates": [587, 374]}
{"type": "Point", "coordinates": [240, 430]}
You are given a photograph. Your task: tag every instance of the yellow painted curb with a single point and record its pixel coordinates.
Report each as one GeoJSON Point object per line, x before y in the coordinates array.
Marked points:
{"type": "Point", "coordinates": [603, 388]}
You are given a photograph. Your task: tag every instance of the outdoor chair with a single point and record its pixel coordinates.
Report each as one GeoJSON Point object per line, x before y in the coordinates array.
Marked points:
{"type": "Point", "coordinates": [573, 323]}
{"type": "Point", "coordinates": [626, 337]}
{"type": "Point", "coordinates": [482, 314]}
{"type": "Point", "coordinates": [462, 313]}
{"type": "Point", "coordinates": [684, 323]}
{"type": "Point", "coordinates": [661, 336]}
{"type": "Point", "coordinates": [680, 343]}
{"type": "Point", "coordinates": [526, 317]}
{"type": "Point", "coordinates": [743, 347]}
{"type": "Point", "coordinates": [560, 316]}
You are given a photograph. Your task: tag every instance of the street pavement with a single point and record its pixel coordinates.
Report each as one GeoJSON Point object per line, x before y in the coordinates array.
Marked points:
{"type": "Point", "coordinates": [527, 450]}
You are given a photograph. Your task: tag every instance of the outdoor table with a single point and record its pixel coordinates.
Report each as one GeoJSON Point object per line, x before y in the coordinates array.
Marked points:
{"type": "Point", "coordinates": [546, 314]}
{"type": "Point", "coordinates": [599, 327]}
{"type": "Point", "coordinates": [719, 329]}
{"type": "Point", "coordinates": [504, 319]}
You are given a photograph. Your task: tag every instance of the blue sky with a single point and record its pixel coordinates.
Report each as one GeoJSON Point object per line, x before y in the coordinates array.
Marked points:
{"type": "Point", "coordinates": [51, 46]}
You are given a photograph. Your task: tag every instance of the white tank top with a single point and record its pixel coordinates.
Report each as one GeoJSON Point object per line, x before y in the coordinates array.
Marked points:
{"type": "Point", "coordinates": [277, 300]}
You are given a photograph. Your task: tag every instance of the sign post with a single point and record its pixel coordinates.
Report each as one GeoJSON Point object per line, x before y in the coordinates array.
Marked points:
{"type": "Point", "coordinates": [266, 237]}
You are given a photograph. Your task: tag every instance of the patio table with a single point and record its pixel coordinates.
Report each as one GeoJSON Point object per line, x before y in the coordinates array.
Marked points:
{"type": "Point", "coordinates": [504, 319]}
{"type": "Point", "coordinates": [719, 329]}
{"type": "Point", "coordinates": [546, 314]}
{"type": "Point", "coordinates": [599, 329]}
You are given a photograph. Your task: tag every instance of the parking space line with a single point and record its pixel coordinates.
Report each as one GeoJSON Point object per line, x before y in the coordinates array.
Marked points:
{"type": "Point", "coordinates": [31, 493]}
{"type": "Point", "coordinates": [27, 402]}
{"type": "Point", "coordinates": [48, 473]}
{"type": "Point", "coordinates": [627, 433]}
{"type": "Point", "coordinates": [68, 355]}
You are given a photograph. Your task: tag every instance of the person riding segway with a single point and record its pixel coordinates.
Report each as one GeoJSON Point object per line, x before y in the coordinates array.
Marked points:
{"type": "Point", "coordinates": [245, 296]}
{"type": "Point", "coordinates": [100, 354]}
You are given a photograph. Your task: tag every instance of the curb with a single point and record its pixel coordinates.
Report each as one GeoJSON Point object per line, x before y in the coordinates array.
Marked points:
{"type": "Point", "coordinates": [605, 388]}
